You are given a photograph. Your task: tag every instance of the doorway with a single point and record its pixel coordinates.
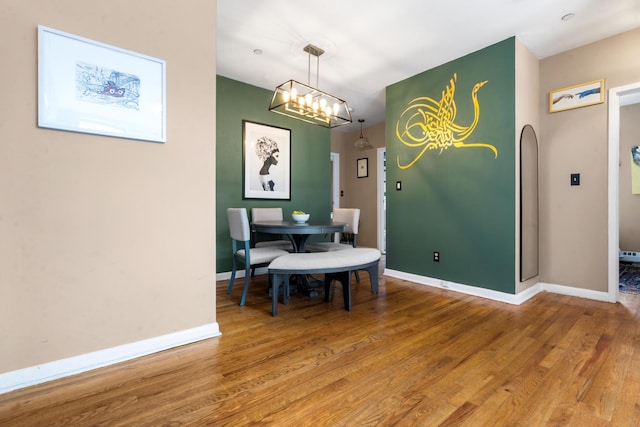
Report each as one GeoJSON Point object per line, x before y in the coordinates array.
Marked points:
{"type": "Point", "coordinates": [618, 96]}
{"type": "Point", "coordinates": [335, 181]}
{"type": "Point", "coordinates": [382, 199]}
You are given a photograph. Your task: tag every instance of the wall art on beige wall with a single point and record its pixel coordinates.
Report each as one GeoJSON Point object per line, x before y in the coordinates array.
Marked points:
{"type": "Point", "coordinates": [91, 87]}
{"type": "Point", "coordinates": [363, 167]}
{"type": "Point", "coordinates": [581, 95]}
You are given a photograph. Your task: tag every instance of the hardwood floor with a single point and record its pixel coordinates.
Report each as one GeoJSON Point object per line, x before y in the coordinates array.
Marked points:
{"type": "Point", "coordinates": [410, 356]}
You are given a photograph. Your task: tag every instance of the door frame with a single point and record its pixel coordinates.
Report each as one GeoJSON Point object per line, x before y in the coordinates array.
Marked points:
{"type": "Point", "coordinates": [618, 96]}
{"type": "Point", "coordinates": [382, 215]}
{"type": "Point", "coordinates": [335, 180]}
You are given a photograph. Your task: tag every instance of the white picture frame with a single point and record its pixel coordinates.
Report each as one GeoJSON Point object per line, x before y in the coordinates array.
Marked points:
{"type": "Point", "coordinates": [91, 87]}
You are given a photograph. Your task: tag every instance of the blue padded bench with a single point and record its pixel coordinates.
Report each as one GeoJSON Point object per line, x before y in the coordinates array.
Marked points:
{"type": "Point", "coordinates": [336, 265]}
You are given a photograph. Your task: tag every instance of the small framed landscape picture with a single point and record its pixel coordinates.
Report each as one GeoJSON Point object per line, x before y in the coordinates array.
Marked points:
{"type": "Point", "coordinates": [91, 87]}
{"type": "Point", "coordinates": [363, 167]}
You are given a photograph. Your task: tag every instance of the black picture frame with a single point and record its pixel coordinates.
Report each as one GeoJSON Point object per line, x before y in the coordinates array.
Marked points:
{"type": "Point", "coordinates": [266, 148]}
{"type": "Point", "coordinates": [362, 167]}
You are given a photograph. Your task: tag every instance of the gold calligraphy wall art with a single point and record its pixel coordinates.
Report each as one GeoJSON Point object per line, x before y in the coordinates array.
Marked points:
{"type": "Point", "coordinates": [430, 124]}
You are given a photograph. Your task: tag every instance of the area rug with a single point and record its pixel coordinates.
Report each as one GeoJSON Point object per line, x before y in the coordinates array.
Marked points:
{"type": "Point", "coordinates": [630, 278]}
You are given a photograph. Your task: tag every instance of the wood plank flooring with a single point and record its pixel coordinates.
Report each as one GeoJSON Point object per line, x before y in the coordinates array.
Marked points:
{"type": "Point", "coordinates": [410, 356]}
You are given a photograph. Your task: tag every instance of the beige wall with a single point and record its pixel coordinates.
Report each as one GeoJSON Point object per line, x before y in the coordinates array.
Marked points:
{"type": "Point", "coordinates": [574, 219]}
{"type": "Point", "coordinates": [629, 203]}
{"type": "Point", "coordinates": [527, 113]}
{"type": "Point", "coordinates": [105, 241]}
{"type": "Point", "coordinates": [360, 192]}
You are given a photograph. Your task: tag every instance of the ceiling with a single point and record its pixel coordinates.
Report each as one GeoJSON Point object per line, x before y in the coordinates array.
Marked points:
{"type": "Point", "coordinates": [370, 44]}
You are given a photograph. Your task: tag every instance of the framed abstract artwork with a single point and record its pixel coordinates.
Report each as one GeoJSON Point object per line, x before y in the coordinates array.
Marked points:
{"type": "Point", "coordinates": [91, 87]}
{"type": "Point", "coordinates": [266, 161]}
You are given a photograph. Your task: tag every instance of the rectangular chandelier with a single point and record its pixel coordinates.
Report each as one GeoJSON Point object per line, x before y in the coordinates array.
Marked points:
{"type": "Point", "coordinates": [302, 102]}
{"type": "Point", "coordinates": [306, 103]}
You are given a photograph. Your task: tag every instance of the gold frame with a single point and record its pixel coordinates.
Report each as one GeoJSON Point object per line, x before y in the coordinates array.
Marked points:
{"type": "Point", "coordinates": [576, 96]}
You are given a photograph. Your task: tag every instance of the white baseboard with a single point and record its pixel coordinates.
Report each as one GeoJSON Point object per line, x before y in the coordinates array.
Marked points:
{"type": "Point", "coordinates": [515, 299]}
{"type": "Point", "coordinates": [226, 275]}
{"type": "Point", "coordinates": [85, 362]}
{"type": "Point", "coordinates": [577, 292]}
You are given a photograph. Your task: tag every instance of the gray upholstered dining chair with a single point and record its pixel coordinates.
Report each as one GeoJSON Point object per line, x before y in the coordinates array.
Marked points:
{"type": "Point", "coordinates": [349, 216]}
{"type": "Point", "coordinates": [269, 214]}
{"type": "Point", "coordinates": [242, 250]}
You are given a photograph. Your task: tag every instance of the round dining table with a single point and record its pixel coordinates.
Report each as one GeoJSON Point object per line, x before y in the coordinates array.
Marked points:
{"type": "Point", "coordinates": [298, 233]}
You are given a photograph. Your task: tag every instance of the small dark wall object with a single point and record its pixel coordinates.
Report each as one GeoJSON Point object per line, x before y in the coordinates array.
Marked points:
{"type": "Point", "coordinates": [575, 179]}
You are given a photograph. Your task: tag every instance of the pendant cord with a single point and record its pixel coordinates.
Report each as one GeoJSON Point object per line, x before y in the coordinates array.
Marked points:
{"type": "Point", "coordinates": [315, 51]}
{"type": "Point", "coordinates": [309, 69]}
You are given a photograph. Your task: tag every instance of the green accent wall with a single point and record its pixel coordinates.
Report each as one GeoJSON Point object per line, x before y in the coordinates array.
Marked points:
{"type": "Point", "coordinates": [310, 160]}
{"type": "Point", "coordinates": [458, 201]}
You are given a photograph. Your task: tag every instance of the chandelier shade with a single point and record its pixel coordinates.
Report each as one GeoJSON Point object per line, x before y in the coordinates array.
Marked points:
{"type": "Point", "coordinates": [362, 142]}
{"type": "Point", "coordinates": [311, 105]}
{"type": "Point", "coordinates": [304, 102]}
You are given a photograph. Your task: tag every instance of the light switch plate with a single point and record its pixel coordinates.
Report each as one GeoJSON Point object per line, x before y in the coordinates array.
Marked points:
{"type": "Point", "coordinates": [575, 179]}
